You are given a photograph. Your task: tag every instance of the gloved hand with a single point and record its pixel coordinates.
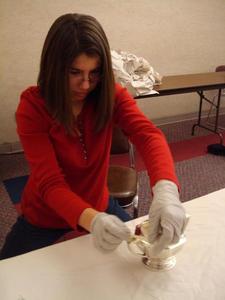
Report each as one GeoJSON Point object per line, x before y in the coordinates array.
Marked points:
{"type": "Point", "coordinates": [166, 216]}
{"type": "Point", "coordinates": [108, 232]}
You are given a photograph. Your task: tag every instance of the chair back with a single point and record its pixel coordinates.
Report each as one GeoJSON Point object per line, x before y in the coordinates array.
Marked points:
{"type": "Point", "coordinates": [220, 68]}
{"type": "Point", "coordinates": [120, 143]}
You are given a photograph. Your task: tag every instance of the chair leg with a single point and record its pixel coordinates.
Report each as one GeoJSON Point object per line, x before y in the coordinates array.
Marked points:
{"type": "Point", "coordinates": [135, 206]}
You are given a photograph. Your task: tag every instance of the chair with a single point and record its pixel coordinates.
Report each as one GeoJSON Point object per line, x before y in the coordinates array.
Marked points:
{"type": "Point", "coordinates": [220, 68]}
{"type": "Point", "coordinates": [123, 180]}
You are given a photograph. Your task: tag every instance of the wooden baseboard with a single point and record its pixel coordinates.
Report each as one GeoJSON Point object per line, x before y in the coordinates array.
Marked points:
{"type": "Point", "coordinates": [184, 117]}
{"type": "Point", "coordinates": [11, 148]}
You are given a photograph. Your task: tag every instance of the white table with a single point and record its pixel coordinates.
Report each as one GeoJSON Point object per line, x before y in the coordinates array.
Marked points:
{"type": "Point", "coordinates": [76, 270]}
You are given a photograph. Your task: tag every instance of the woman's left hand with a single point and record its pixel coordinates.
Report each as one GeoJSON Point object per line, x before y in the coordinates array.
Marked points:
{"type": "Point", "coordinates": [167, 217]}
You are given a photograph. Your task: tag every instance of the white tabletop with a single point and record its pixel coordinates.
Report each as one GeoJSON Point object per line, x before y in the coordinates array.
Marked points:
{"type": "Point", "coordinates": [74, 269]}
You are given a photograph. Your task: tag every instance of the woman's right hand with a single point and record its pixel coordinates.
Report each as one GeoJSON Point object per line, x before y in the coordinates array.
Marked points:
{"type": "Point", "coordinates": [108, 232]}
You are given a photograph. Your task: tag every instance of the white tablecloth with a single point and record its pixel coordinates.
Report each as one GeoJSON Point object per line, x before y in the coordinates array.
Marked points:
{"type": "Point", "coordinates": [76, 270]}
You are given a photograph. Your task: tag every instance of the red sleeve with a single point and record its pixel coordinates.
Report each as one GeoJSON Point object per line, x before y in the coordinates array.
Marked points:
{"type": "Point", "coordinates": [148, 139]}
{"type": "Point", "coordinates": [33, 126]}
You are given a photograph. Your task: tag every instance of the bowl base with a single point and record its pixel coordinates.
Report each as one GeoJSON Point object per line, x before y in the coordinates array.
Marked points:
{"type": "Point", "coordinates": [156, 264]}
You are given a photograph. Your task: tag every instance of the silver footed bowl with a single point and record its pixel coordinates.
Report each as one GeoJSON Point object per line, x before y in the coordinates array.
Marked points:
{"type": "Point", "coordinates": [165, 260]}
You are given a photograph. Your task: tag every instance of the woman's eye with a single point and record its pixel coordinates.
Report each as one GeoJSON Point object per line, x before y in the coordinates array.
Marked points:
{"type": "Point", "coordinates": [75, 72]}
{"type": "Point", "coordinates": [96, 72]}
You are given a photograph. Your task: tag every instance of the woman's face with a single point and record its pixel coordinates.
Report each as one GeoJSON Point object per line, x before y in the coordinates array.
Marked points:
{"type": "Point", "coordinates": [84, 75]}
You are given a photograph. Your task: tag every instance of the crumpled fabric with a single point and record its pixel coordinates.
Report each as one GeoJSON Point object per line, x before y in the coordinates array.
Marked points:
{"type": "Point", "coordinates": [134, 73]}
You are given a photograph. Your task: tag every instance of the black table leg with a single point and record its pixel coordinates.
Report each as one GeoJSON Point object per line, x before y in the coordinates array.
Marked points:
{"type": "Point", "coordinates": [217, 106]}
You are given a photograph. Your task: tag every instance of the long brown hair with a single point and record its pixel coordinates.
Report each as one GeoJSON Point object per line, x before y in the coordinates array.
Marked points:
{"type": "Point", "coordinates": [69, 36]}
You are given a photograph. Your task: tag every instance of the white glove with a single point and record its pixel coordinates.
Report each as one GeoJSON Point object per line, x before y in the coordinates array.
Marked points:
{"type": "Point", "coordinates": [108, 232]}
{"type": "Point", "coordinates": [166, 216]}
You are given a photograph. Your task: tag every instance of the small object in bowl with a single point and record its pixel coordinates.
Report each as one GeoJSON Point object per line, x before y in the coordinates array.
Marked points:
{"type": "Point", "coordinates": [138, 230]}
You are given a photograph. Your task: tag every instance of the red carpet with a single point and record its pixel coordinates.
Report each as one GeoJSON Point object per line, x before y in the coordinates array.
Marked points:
{"type": "Point", "coordinates": [197, 146]}
{"type": "Point", "coordinates": [182, 150]}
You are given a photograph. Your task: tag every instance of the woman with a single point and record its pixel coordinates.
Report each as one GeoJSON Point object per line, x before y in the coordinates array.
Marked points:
{"type": "Point", "coordinates": [65, 126]}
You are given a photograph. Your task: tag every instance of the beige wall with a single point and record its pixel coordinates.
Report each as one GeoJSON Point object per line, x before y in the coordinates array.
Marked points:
{"type": "Point", "coordinates": [175, 36]}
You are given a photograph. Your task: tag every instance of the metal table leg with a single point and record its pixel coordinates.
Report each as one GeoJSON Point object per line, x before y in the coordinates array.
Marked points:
{"type": "Point", "coordinates": [217, 106]}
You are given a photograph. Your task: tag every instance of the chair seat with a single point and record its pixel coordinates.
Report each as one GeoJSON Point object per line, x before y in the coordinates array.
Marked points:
{"type": "Point", "coordinates": [122, 181]}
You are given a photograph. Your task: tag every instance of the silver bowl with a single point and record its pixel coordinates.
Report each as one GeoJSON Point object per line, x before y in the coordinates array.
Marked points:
{"type": "Point", "coordinates": [165, 260]}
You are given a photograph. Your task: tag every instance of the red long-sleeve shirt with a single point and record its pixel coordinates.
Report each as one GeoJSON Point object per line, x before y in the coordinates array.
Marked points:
{"type": "Point", "coordinates": [69, 173]}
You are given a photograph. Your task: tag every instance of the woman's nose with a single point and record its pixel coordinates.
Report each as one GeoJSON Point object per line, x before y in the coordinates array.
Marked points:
{"type": "Point", "coordinates": [85, 84]}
